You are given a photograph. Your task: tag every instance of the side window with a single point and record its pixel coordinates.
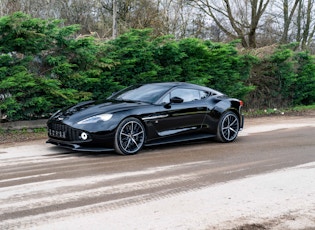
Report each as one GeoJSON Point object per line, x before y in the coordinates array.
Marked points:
{"type": "Point", "coordinates": [166, 99]}
{"type": "Point", "coordinates": [204, 94]}
{"type": "Point", "coordinates": [186, 94]}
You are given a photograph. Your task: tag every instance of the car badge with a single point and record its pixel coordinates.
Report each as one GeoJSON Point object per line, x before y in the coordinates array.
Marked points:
{"type": "Point", "coordinates": [60, 118]}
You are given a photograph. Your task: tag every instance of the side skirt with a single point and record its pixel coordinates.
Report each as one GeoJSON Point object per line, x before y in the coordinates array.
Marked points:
{"type": "Point", "coordinates": [177, 139]}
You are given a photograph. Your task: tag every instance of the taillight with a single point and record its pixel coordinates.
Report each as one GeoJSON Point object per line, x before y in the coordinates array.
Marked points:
{"type": "Point", "coordinates": [241, 103]}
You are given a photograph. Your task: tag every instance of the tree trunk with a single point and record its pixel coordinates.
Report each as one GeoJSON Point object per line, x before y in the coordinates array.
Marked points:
{"type": "Point", "coordinates": [287, 19]}
{"type": "Point", "coordinates": [306, 32]}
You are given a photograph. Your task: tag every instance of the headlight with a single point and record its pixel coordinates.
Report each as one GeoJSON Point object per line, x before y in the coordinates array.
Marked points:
{"type": "Point", "coordinates": [94, 119]}
{"type": "Point", "coordinates": [55, 113]}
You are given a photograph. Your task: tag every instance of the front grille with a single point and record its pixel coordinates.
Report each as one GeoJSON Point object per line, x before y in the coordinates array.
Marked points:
{"type": "Point", "coordinates": [63, 132]}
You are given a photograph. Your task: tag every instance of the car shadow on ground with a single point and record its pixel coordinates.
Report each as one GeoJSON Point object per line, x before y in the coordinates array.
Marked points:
{"type": "Point", "coordinates": [62, 152]}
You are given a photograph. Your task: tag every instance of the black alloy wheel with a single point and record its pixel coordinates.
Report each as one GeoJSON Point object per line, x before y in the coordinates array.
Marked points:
{"type": "Point", "coordinates": [130, 136]}
{"type": "Point", "coordinates": [228, 127]}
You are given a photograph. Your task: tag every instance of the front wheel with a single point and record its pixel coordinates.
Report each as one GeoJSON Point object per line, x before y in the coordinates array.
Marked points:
{"type": "Point", "coordinates": [228, 127]}
{"type": "Point", "coordinates": [129, 137]}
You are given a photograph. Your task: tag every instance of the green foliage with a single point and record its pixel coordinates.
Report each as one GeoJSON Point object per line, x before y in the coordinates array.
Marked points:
{"type": "Point", "coordinates": [29, 64]}
{"type": "Point", "coordinates": [33, 96]}
{"type": "Point", "coordinates": [285, 78]}
{"type": "Point", "coordinates": [202, 62]}
{"type": "Point", "coordinates": [273, 76]}
{"type": "Point", "coordinates": [283, 69]}
{"type": "Point", "coordinates": [168, 56]}
{"type": "Point", "coordinates": [229, 69]}
{"type": "Point", "coordinates": [22, 34]}
{"type": "Point", "coordinates": [304, 83]}
{"type": "Point", "coordinates": [133, 55]}
{"type": "Point", "coordinates": [195, 62]}
{"type": "Point", "coordinates": [44, 67]}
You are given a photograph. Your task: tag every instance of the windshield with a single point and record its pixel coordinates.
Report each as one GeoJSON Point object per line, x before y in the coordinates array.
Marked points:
{"type": "Point", "coordinates": [144, 93]}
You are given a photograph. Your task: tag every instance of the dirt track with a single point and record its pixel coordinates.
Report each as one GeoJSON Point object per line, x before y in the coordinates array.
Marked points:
{"type": "Point", "coordinates": [265, 180]}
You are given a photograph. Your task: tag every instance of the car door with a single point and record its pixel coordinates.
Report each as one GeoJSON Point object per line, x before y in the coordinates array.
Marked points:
{"type": "Point", "coordinates": [183, 110]}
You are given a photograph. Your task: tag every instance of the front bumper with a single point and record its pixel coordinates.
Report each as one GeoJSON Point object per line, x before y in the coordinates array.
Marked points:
{"type": "Point", "coordinates": [77, 147]}
{"type": "Point", "coordinates": [65, 136]}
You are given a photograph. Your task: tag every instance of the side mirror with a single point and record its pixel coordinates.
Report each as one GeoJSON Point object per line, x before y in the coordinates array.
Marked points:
{"type": "Point", "coordinates": [176, 100]}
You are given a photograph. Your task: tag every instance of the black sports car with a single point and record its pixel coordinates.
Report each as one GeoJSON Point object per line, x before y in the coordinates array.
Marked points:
{"type": "Point", "coordinates": [147, 114]}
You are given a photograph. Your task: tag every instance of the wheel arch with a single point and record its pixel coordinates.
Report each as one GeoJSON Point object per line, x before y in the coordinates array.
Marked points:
{"type": "Point", "coordinates": [139, 118]}
{"type": "Point", "coordinates": [118, 146]}
{"type": "Point", "coordinates": [227, 131]}
{"type": "Point", "coordinates": [226, 105]}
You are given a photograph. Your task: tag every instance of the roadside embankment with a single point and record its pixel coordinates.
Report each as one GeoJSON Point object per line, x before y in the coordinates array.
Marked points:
{"type": "Point", "coordinates": [18, 125]}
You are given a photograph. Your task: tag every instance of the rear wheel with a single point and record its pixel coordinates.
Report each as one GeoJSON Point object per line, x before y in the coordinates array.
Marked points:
{"type": "Point", "coordinates": [228, 127]}
{"type": "Point", "coordinates": [129, 137]}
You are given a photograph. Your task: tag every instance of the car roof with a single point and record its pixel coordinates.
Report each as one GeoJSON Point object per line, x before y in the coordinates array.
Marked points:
{"type": "Point", "coordinates": [173, 83]}
{"type": "Point", "coordinates": [185, 84]}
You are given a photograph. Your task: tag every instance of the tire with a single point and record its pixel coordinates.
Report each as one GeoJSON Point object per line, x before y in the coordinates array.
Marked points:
{"type": "Point", "coordinates": [130, 137]}
{"type": "Point", "coordinates": [228, 127]}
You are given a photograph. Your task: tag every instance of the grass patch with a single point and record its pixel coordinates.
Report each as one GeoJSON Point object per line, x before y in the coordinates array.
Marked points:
{"type": "Point", "coordinates": [13, 136]}
{"type": "Point", "coordinates": [304, 107]}
{"type": "Point", "coordinates": [294, 111]}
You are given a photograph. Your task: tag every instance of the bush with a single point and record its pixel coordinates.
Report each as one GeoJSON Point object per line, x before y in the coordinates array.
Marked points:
{"type": "Point", "coordinates": [45, 66]}
{"type": "Point", "coordinates": [32, 86]}
{"type": "Point", "coordinates": [133, 56]}
{"type": "Point", "coordinates": [282, 79]}
{"type": "Point", "coordinates": [229, 69]}
{"type": "Point", "coordinates": [304, 83]}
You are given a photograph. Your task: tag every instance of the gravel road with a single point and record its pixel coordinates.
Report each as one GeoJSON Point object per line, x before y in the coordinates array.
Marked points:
{"type": "Point", "coordinates": [264, 180]}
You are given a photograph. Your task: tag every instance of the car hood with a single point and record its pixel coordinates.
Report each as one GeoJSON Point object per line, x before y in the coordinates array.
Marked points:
{"type": "Point", "coordinates": [88, 109]}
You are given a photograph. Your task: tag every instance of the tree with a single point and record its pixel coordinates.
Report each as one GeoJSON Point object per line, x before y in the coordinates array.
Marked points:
{"type": "Point", "coordinates": [298, 22]}
{"type": "Point", "coordinates": [307, 26]}
{"type": "Point", "coordinates": [287, 18]}
{"type": "Point", "coordinates": [164, 16]}
{"type": "Point", "coordinates": [238, 19]}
